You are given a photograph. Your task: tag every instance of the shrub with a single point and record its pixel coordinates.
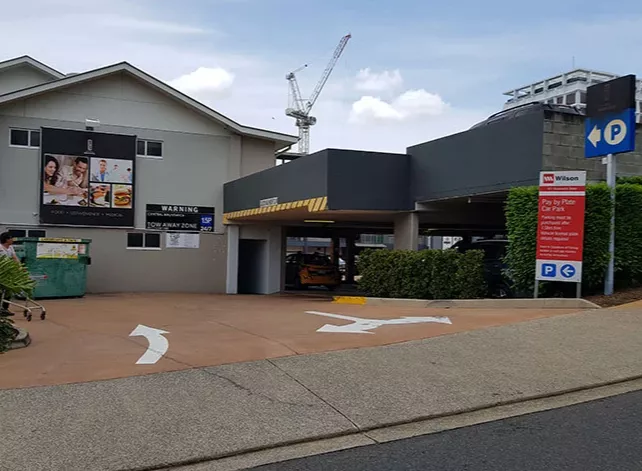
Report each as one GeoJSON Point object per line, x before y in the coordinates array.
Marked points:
{"type": "Point", "coordinates": [470, 279]}
{"type": "Point", "coordinates": [628, 234]}
{"type": "Point", "coordinates": [521, 221]}
{"type": "Point", "coordinates": [443, 284]}
{"type": "Point", "coordinates": [13, 280]}
{"type": "Point", "coordinates": [521, 224]}
{"type": "Point", "coordinates": [635, 180]}
{"type": "Point", "coordinates": [597, 223]}
{"type": "Point", "coordinates": [425, 274]}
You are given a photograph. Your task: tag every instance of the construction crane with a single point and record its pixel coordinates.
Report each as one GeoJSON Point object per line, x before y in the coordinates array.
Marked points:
{"type": "Point", "coordinates": [299, 108]}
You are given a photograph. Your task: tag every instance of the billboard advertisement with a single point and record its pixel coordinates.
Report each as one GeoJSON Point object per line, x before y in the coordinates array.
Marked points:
{"type": "Point", "coordinates": [87, 178]}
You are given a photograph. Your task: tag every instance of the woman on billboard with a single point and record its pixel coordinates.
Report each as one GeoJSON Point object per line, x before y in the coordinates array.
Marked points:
{"type": "Point", "coordinates": [53, 182]}
{"type": "Point", "coordinates": [60, 182]}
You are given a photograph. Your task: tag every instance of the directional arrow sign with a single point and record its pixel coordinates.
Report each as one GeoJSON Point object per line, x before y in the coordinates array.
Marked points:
{"type": "Point", "coordinates": [595, 136]}
{"type": "Point", "coordinates": [567, 271]}
{"type": "Point", "coordinates": [362, 326]}
{"type": "Point", "coordinates": [610, 134]}
{"type": "Point", "coordinates": [158, 344]}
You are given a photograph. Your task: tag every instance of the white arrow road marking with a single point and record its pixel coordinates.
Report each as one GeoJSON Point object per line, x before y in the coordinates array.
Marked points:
{"type": "Point", "coordinates": [158, 344]}
{"type": "Point", "coordinates": [361, 326]}
{"type": "Point", "coordinates": [595, 136]}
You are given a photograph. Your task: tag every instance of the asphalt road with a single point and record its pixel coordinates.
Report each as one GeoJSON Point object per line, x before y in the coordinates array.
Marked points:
{"type": "Point", "coordinates": [604, 435]}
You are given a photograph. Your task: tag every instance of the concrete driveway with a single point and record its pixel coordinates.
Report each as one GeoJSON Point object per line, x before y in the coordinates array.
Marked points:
{"type": "Point", "coordinates": [89, 339]}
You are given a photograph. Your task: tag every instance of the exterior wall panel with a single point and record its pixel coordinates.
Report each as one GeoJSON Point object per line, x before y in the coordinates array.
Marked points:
{"type": "Point", "coordinates": [487, 159]}
{"type": "Point", "coordinates": [303, 178]}
{"type": "Point", "coordinates": [19, 77]}
{"type": "Point", "coordinates": [368, 180]}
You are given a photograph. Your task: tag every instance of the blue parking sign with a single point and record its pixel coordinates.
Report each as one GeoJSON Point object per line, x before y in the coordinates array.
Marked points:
{"type": "Point", "coordinates": [207, 222]}
{"type": "Point", "coordinates": [549, 270]}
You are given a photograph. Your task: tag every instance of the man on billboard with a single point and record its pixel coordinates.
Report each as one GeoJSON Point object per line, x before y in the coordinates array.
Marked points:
{"type": "Point", "coordinates": [76, 174]}
{"type": "Point", "coordinates": [102, 175]}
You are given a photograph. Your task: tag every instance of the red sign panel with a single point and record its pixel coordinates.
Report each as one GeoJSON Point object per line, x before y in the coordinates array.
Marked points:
{"type": "Point", "coordinates": [560, 226]}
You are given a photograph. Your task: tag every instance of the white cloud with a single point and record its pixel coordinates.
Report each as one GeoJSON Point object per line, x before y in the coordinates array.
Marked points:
{"type": "Point", "coordinates": [190, 55]}
{"type": "Point", "coordinates": [410, 104]}
{"type": "Point", "coordinates": [204, 80]}
{"type": "Point", "coordinates": [420, 102]}
{"type": "Point", "coordinates": [373, 108]}
{"type": "Point", "coordinates": [369, 81]}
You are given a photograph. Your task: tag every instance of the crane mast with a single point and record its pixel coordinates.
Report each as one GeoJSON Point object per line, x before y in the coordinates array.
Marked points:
{"type": "Point", "coordinates": [298, 108]}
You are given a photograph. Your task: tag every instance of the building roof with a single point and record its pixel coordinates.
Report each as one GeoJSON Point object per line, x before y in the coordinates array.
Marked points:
{"type": "Point", "coordinates": [580, 73]}
{"type": "Point", "coordinates": [30, 61]}
{"type": "Point", "coordinates": [527, 108]}
{"type": "Point", "coordinates": [63, 81]}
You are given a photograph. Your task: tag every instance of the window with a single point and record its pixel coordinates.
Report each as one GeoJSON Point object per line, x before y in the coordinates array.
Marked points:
{"type": "Point", "coordinates": [19, 233]}
{"type": "Point", "coordinates": [151, 149]}
{"type": "Point", "coordinates": [24, 138]}
{"type": "Point", "coordinates": [143, 241]}
{"type": "Point", "coordinates": [570, 99]}
{"type": "Point", "coordinates": [582, 97]}
{"type": "Point", "coordinates": [559, 100]}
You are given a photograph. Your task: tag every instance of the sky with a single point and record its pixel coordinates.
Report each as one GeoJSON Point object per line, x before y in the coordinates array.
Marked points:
{"type": "Point", "coordinates": [412, 71]}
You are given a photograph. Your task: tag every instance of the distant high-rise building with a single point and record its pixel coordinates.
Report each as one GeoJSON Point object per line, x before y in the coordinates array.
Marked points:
{"type": "Point", "coordinates": [565, 89]}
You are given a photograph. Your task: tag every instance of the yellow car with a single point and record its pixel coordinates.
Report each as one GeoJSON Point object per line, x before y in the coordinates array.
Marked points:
{"type": "Point", "coordinates": [304, 270]}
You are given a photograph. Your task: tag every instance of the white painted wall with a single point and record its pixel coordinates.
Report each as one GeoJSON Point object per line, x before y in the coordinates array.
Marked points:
{"type": "Point", "coordinates": [119, 100]}
{"type": "Point", "coordinates": [199, 156]}
{"type": "Point", "coordinates": [21, 76]}
{"type": "Point", "coordinates": [257, 155]}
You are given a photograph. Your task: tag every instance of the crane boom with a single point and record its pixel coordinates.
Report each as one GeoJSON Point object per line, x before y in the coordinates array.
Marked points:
{"type": "Point", "coordinates": [299, 109]}
{"type": "Point", "coordinates": [328, 70]}
{"type": "Point", "coordinates": [295, 93]}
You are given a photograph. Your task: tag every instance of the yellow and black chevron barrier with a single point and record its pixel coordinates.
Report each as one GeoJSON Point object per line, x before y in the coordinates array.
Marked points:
{"type": "Point", "coordinates": [313, 205]}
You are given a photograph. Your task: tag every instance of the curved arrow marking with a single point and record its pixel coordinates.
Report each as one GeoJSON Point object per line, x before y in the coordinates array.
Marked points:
{"type": "Point", "coordinates": [362, 326]}
{"type": "Point", "coordinates": [158, 344]}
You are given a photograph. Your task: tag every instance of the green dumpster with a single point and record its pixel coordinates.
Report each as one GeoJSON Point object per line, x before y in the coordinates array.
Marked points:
{"type": "Point", "coordinates": [59, 266]}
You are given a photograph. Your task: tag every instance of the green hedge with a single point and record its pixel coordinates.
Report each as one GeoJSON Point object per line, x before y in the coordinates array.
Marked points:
{"type": "Point", "coordinates": [425, 274]}
{"type": "Point", "coordinates": [521, 222]}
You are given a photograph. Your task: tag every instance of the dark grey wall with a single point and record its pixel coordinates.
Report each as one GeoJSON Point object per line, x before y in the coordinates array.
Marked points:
{"type": "Point", "coordinates": [490, 158]}
{"type": "Point", "coordinates": [361, 180]}
{"type": "Point", "coordinates": [297, 180]}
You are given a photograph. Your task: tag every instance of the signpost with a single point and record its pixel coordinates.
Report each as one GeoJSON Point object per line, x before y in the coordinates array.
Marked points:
{"type": "Point", "coordinates": [609, 130]}
{"type": "Point", "coordinates": [560, 227]}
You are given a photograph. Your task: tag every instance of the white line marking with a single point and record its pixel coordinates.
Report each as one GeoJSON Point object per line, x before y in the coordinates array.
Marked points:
{"type": "Point", "coordinates": [361, 326]}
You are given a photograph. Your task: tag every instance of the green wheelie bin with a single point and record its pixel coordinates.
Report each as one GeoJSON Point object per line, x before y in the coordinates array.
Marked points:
{"type": "Point", "coordinates": [59, 266]}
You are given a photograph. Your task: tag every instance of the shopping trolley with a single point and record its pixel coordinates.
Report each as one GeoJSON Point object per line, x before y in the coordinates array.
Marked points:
{"type": "Point", "coordinates": [27, 311]}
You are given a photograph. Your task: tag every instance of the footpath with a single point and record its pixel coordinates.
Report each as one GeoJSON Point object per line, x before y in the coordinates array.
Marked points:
{"type": "Point", "coordinates": [166, 420]}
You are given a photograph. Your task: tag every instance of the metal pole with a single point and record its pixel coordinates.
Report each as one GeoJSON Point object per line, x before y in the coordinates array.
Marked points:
{"type": "Point", "coordinates": [578, 290]}
{"type": "Point", "coordinates": [536, 290]}
{"type": "Point", "coordinates": [610, 180]}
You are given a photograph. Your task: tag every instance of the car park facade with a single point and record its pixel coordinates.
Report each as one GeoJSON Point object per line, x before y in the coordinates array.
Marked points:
{"type": "Point", "coordinates": [203, 206]}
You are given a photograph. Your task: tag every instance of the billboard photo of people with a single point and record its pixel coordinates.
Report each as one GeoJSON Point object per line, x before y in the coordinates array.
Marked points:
{"type": "Point", "coordinates": [111, 171]}
{"type": "Point", "coordinates": [65, 180]}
